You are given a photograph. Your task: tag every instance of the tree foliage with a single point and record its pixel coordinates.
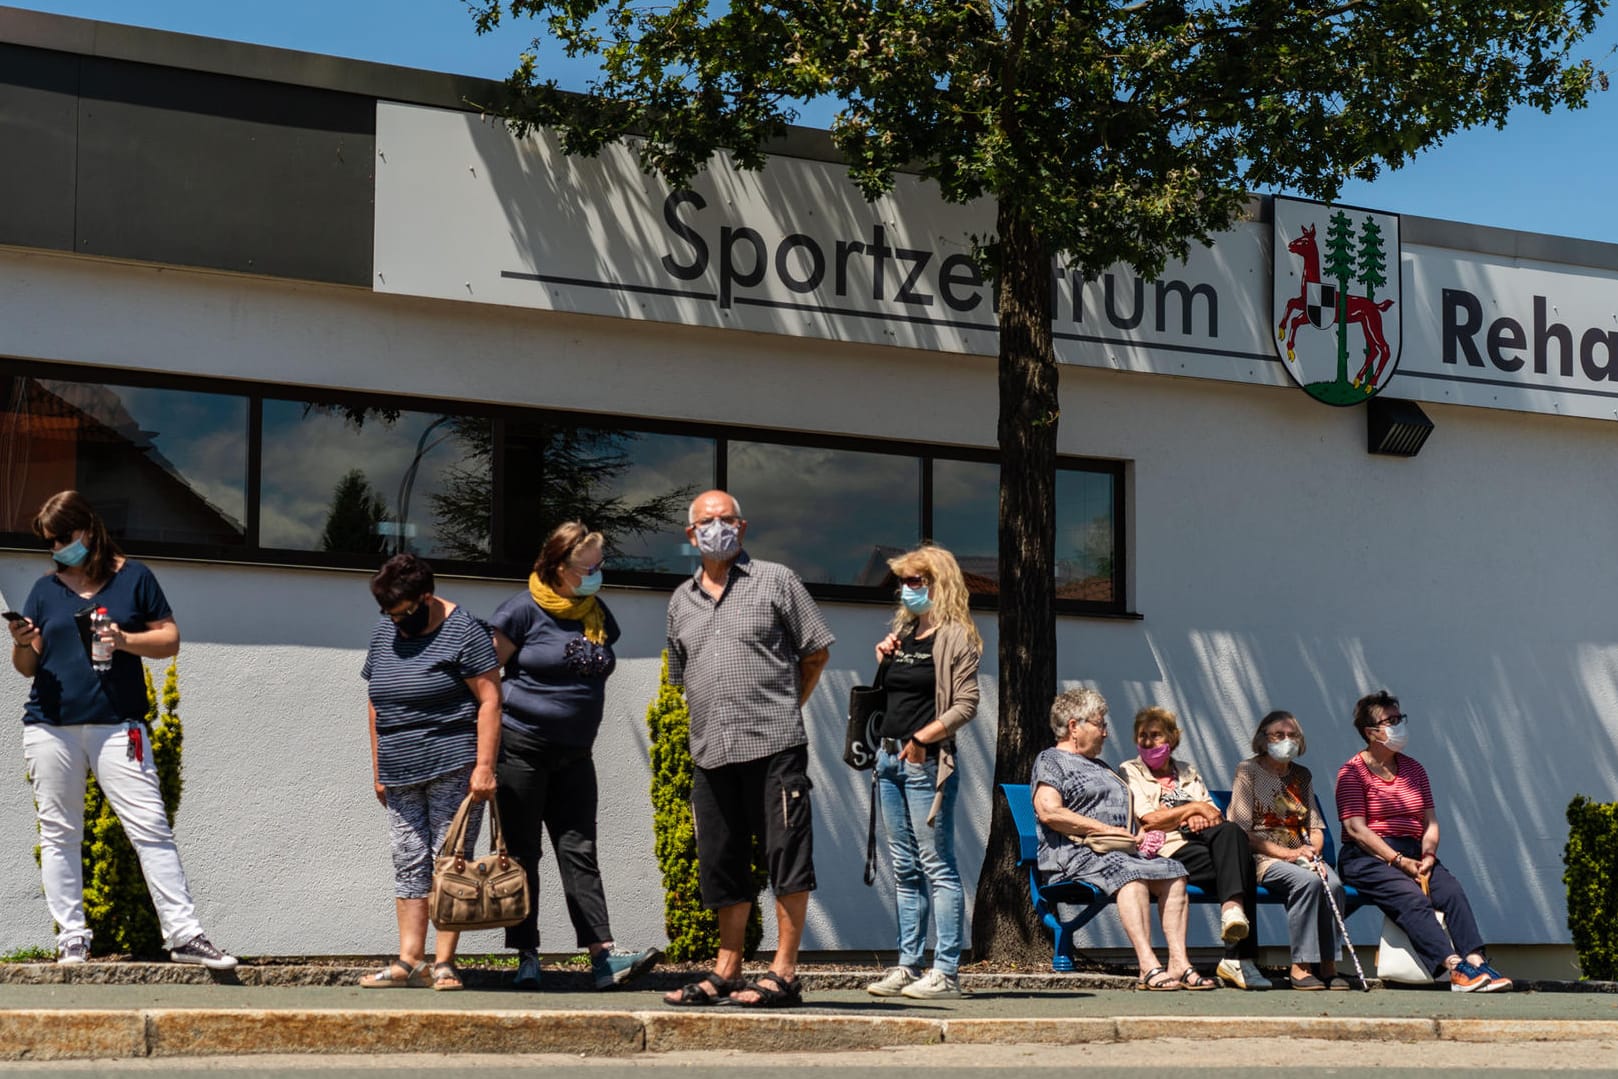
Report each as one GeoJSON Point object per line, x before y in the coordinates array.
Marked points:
{"type": "Point", "coordinates": [1102, 131]}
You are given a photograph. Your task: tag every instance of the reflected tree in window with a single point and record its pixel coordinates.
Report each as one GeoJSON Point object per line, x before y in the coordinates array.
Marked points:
{"type": "Point", "coordinates": [356, 510]}
{"type": "Point", "coordinates": [615, 481]}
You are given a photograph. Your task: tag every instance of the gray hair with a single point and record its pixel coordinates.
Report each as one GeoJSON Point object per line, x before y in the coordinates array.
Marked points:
{"type": "Point", "coordinates": [691, 510]}
{"type": "Point", "coordinates": [1261, 735]}
{"type": "Point", "coordinates": [1084, 705]}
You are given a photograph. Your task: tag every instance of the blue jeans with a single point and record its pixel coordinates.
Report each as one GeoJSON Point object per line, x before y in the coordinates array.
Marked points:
{"type": "Point", "coordinates": [924, 870]}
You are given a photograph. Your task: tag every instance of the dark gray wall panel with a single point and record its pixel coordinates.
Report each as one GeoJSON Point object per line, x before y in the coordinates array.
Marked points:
{"type": "Point", "coordinates": [38, 118]}
{"type": "Point", "coordinates": [199, 169]}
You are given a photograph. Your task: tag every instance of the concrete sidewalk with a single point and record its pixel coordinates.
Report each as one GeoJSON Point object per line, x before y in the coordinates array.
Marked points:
{"type": "Point", "coordinates": [161, 1010]}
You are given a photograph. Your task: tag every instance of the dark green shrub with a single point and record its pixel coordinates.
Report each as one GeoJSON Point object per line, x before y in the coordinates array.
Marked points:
{"type": "Point", "coordinates": [693, 931]}
{"type": "Point", "coordinates": [1591, 857]}
{"type": "Point", "coordinates": [117, 905]}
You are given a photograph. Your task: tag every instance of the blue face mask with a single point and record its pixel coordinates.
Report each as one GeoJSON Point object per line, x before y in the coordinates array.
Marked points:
{"type": "Point", "coordinates": [589, 585]}
{"type": "Point", "coordinates": [915, 600]}
{"type": "Point", "coordinates": [72, 554]}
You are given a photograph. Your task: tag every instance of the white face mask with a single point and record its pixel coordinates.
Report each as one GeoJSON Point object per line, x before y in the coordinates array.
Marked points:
{"type": "Point", "coordinates": [1394, 738]}
{"type": "Point", "coordinates": [1283, 750]}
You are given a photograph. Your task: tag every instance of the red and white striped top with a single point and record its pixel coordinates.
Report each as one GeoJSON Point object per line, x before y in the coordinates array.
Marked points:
{"type": "Point", "coordinates": [1390, 809]}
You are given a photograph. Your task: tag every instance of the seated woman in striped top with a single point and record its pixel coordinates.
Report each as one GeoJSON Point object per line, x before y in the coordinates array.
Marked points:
{"type": "Point", "coordinates": [1390, 852]}
{"type": "Point", "coordinates": [434, 704]}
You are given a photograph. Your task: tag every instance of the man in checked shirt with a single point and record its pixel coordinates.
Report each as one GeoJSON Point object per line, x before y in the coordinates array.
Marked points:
{"type": "Point", "coordinates": [748, 645]}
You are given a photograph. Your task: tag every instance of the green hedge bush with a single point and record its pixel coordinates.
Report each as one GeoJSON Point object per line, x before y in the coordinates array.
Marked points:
{"type": "Point", "coordinates": [1591, 857]}
{"type": "Point", "coordinates": [117, 906]}
{"type": "Point", "coordinates": [693, 931]}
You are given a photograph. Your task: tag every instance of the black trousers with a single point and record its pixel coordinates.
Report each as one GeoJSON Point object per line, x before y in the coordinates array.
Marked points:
{"type": "Point", "coordinates": [542, 785]}
{"type": "Point", "coordinates": [1220, 862]}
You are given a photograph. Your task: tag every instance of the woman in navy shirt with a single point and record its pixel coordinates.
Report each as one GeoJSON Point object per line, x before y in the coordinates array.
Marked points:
{"type": "Point", "coordinates": [434, 706]}
{"type": "Point", "coordinates": [555, 643]}
{"type": "Point", "coordinates": [81, 721]}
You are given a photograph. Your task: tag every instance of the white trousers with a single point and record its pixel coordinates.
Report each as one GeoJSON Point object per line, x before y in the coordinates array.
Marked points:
{"type": "Point", "coordinates": [59, 759]}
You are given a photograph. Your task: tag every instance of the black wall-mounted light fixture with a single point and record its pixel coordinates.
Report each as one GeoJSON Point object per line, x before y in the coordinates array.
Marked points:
{"type": "Point", "coordinates": [1395, 428]}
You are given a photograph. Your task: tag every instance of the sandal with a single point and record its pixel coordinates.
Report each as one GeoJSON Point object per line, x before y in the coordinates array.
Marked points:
{"type": "Point", "coordinates": [775, 992]}
{"type": "Point", "coordinates": [446, 979]}
{"type": "Point", "coordinates": [1195, 982]}
{"type": "Point", "coordinates": [1158, 980]}
{"type": "Point", "coordinates": [695, 996]}
{"type": "Point", "coordinates": [396, 975]}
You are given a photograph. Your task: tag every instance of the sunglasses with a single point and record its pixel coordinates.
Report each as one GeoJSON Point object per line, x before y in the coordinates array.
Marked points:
{"type": "Point", "coordinates": [913, 582]}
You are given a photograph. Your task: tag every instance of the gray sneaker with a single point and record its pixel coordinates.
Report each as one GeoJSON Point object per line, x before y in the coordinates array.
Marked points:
{"type": "Point", "coordinates": [74, 952]}
{"type": "Point", "coordinates": [934, 985]}
{"type": "Point", "coordinates": [527, 970]}
{"type": "Point", "coordinates": [199, 951]}
{"type": "Point", "coordinates": [893, 981]}
{"type": "Point", "coordinates": [617, 967]}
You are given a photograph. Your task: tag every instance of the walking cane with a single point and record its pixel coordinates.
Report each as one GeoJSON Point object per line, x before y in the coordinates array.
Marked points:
{"type": "Point", "coordinates": [1331, 901]}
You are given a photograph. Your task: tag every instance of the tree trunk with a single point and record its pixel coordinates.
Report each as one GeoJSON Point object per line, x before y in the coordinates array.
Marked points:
{"type": "Point", "coordinates": [1003, 926]}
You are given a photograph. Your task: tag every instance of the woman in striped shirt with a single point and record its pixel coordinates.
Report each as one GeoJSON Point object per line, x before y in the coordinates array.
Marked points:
{"type": "Point", "coordinates": [1390, 852]}
{"type": "Point", "coordinates": [434, 704]}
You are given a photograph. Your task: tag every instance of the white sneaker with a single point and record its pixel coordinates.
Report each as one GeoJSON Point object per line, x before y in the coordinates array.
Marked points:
{"type": "Point", "coordinates": [934, 985]}
{"type": "Point", "coordinates": [1241, 973]}
{"type": "Point", "coordinates": [892, 982]}
{"type": "Point", "coordinates": [74, 952]}
{"type": "Point", "coordinates": [1233, 925]}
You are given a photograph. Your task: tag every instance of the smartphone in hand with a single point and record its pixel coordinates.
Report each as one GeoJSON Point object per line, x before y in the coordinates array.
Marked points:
{"type": "Point", "coordinates": [13, 616]}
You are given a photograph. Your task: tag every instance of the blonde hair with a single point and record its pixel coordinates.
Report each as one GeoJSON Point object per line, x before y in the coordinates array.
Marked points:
{"type": "Point", "coordinates": [1163, 718]}
{"type": "Point", "coordinates": [945, 587]}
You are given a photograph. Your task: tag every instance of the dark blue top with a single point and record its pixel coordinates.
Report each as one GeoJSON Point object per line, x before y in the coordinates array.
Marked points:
{"type": "Point", "coordinates": [67, 690]}
{"type": "Point", "coordinates": [555, 683]}
{"type": "Point", "coordinates": [426, 714]}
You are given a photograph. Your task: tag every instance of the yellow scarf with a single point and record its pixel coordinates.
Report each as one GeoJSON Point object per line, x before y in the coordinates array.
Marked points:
{"type": "Point", "coordinates": [585, 609]}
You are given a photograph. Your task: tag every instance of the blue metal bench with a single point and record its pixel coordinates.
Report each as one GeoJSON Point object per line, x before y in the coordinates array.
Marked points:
{"type": "Point", "coordinates": [1019, 797]}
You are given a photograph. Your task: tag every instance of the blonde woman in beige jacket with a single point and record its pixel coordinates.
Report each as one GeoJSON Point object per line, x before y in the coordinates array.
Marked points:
{"type": "Point", "coordinates": [932, 654]}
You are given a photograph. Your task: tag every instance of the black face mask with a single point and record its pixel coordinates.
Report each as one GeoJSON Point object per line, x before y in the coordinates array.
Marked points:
{"type": "Point", "coordinates": [415, 623]}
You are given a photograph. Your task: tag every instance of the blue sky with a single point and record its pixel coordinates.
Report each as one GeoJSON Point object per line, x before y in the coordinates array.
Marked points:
{"type": "Point", "coordinates": [1551, 174]}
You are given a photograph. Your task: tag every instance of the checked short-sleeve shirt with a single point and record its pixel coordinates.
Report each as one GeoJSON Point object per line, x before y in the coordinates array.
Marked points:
{"type": "Point", "coordinates": [738, 656]}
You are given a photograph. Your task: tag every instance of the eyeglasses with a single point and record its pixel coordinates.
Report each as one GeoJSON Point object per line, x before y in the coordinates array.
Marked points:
{"type": "Point", "coordinates": [1396, 720]}
{"type": "Point", "coordinates": [400, 616]}
{"type": "Point", "coordinates": [913, 582]}
{"type": "Point", "coordinates": [1100, 726]}
{"type": "Point", "coordinates": [1280, 736]}
{"type": "Point", "coordinates": [729, 519]}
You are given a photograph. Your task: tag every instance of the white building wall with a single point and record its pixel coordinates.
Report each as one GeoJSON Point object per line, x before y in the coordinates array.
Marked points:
{"type": "Point", "coordinates": [1274, 562]}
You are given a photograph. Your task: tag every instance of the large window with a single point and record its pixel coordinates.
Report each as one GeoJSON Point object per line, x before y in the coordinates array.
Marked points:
{"type": "Point", "coordinates": [204, 468]}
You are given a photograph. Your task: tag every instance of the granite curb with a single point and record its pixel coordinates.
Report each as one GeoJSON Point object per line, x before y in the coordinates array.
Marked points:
{"type": "Point", "coordinates": [193, 1032]}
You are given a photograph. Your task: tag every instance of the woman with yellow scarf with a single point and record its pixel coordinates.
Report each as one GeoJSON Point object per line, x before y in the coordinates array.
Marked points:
{"type": "Point", "coordinates": [555, 646]}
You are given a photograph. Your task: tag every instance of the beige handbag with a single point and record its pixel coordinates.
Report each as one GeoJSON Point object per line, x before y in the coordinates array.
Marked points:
{"type": "Point", "coordinates": [1107, 844]}
{"type": "Point", "coordinates": [490, 893]}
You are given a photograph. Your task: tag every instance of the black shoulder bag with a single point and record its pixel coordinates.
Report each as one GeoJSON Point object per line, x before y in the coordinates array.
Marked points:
{"type": "Point", "coordinates": [866, 705]}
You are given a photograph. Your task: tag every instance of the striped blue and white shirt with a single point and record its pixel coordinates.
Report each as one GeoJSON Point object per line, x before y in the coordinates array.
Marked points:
{"type": "Point", "coordinates": [426, 715]}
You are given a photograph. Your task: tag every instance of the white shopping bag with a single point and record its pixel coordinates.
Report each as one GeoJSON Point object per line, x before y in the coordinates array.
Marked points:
{"type": "Point", "coordinates": [1396, 960]}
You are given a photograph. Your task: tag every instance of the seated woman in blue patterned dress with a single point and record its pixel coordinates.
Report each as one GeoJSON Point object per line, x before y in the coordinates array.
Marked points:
{"type": "Point", "coordinates": [1078, 797]}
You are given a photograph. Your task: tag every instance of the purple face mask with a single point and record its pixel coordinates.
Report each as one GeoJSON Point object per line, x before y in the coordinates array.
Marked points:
{"type": "Point", "coordinates": [1157, 756]}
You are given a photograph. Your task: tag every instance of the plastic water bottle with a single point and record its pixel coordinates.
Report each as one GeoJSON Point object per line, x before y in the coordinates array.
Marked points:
{"type": "Point", "coordinates": [100, 645]}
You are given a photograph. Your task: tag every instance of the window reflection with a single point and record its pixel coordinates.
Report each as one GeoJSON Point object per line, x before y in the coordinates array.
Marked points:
{"type": "Point", "coordinates": [373, 481]}
{"type": "Point", "coordinates": [832, 516]}
{"type": "Point", "coordinates": [631, 486]}
{"type": "Point", "coordinates": [966, 519]}
{"type": "Point", "coordinates": [966, 514]}
{"type": "Point", "coordinates": [164, 466]}
{"type": "Point", "coordinates": [1085, 536]}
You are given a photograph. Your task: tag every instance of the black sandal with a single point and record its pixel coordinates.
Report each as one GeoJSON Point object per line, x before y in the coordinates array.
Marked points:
{"type": "Point", "coordinates": [1158, 980]}
{"type": "Point", "coordinates": [777, 992]}
{"type": "Point", "coordinates": [695, 996]}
